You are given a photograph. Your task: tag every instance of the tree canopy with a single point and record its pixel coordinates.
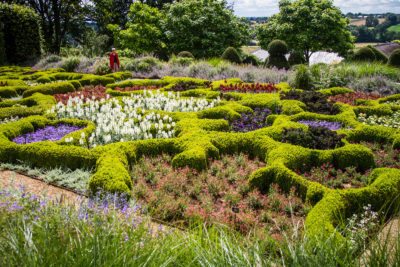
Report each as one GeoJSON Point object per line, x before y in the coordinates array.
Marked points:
{"type": "Point", "coordinates": [204, 27]}
{"type": "Point", "coordinates": [308, 26]}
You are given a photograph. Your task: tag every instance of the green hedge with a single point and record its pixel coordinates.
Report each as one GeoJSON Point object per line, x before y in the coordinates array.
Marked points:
{"type": "Point", "coordinates": [21, 32]}
{"type": "Point", "coordinates": [50, 89]}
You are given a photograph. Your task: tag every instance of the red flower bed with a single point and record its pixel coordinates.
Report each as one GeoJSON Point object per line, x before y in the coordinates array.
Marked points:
{"type": "Point", "coordinates": [137, 88]}
{"type": "Point", "coordinates": [351, 98]}
{"type": "Point", "coordinates": [87, 92]}
{"type": "Point", "coordinates": [249, 88]}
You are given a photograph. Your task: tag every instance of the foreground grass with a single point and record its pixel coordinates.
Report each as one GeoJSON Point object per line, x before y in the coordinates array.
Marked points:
{"type": "Point", "coordinates": [35, 232]}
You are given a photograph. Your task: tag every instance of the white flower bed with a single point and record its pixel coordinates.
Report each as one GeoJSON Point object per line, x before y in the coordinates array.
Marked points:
{"type": "Point", "coordinates": [129, 121]}
{"type": "Point", "coordinates": [392, 121]}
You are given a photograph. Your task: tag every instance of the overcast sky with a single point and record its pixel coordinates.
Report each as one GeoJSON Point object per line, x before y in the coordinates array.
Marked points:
{"type": "Point", "coordinates": [261, 8]}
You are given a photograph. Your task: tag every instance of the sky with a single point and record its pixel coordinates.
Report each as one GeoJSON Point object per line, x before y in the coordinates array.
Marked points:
{"type": "Point", "coordinates": [262, 8]}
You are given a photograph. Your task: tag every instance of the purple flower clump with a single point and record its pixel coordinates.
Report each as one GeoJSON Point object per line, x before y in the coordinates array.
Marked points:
{"type": "Point", "coordinates": [51, 133]}
{"type": "Point", "coordinates": [251, 121]}
{"type": "Point", "coordinates": [326, 124]}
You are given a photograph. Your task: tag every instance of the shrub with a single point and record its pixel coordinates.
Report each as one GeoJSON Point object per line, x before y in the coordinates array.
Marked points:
{"type": "Point", "coordinates": [315, 101]}
{"type": "Point", "coordinates": [50, 89]}
{"type": "Point", "coordinates": [364, 54]}
{"type": "Point", "coordinates": [185, 54]}
{"type": "Point", "coordinates": [251, 59]}
{"type": "Point", "coordinates": [232, 55]}
{"type": "Point", "coordinates": [181, 61]}
{"type": "Point", "coordinates": [21, 32]}
{"type": "Point", "coordinates": [53, 58]}
{"type": "Point", "coordinates": [70, 64]}
{"type": "Point", "coordinates": [143, 64]}
{"type": "Point", "coordinates": [296, 58]}
{"type": "Point", "coordinates": [378, 54]}
{"type": "Point", "coordinates": [303, 78]}
{"type": "Point", "coordinates": [315, 138]}
{"type": "Point", "coordinates": [394, 59]}
{"type": "Point", "coordinates": [277, 50]}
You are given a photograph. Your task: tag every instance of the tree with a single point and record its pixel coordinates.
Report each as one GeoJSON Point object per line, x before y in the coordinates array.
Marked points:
{"type": "Point", "coordinates": [58, 17]}
{"type": "Point", "coordinates": [203, 27]}
{"type": "Point", "coordinates": [371, 21]}
{"type": "Point", "coordinates": [308, 26]}
{"type": "Point", "coordinates": [143, 32]}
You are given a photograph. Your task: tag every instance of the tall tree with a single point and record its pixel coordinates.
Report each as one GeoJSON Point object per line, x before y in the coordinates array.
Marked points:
{"type": "Point", "coordinates": [57, 18]}
{"type": "Point", "coordinates": [204, 27]}
{"type": "Point", "coordinates": [143, 32]}
{"type": "Point", "coordinates": [308, 26]}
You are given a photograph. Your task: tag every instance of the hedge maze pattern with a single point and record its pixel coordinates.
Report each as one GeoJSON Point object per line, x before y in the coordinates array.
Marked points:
{"type": "Point", "coordinates": [203, 136]}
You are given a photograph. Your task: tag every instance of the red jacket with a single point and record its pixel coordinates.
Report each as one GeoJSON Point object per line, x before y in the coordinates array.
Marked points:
{"type": "Point", "coordinates": [114, 59]}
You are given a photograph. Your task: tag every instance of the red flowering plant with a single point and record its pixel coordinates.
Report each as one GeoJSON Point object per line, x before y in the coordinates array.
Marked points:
{"type": "Point", "coordinates": [351, 98]}
{"type": "Point", "coordinates": [220, 194]}
{"type": "Point", "coordinates": [249, 88]}
{"type": "Point", "coordinates": [87, 93]}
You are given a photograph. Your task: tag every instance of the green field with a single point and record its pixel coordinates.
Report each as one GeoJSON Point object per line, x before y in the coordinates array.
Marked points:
{"type": "Point", "coordinates": [394, 28]}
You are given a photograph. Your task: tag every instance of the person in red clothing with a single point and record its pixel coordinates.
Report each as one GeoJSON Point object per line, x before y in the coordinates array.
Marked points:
{"type": "Point", "coordinates": [114, 60]}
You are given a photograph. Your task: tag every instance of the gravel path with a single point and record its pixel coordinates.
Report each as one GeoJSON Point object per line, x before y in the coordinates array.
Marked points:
{"type": "Point", "coordinates": [11, 179]}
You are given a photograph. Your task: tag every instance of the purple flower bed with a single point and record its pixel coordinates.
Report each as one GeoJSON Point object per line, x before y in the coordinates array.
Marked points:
{"type": "Point", "coordinates": [51, 133]}
{"type": "Point", "coordinates": [326, 124]}
{"type": "Point", "coordinates": [251, 121]}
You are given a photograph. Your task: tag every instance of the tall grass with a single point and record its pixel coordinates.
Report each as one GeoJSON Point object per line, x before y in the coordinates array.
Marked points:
{"type": "Point", "coordinates": [34, 232]}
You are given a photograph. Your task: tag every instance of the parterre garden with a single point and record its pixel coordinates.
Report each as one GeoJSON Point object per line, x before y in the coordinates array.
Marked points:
{"type": "Point", "coordinates": [250, 156]}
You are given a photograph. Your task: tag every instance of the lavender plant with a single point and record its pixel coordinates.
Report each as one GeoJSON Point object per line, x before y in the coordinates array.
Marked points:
{"type": "Point", "coordinates": [50, 133]}
{"type": "Point", "coordinates": [333, 126]}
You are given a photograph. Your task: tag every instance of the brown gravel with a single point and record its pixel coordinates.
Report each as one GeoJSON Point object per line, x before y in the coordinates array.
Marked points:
{"type": "Point", "coordinates": [11, 179]}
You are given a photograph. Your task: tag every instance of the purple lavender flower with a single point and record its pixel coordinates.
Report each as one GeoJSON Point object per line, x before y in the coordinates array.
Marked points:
{"type": "Point", "coordinates": [333, 126]}
{"type": "Point", "coordinates": [50, 133]}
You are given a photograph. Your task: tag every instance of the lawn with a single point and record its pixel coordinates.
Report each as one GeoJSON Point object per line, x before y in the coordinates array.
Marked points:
{"type": "Point", "coordinates": [394, 28]}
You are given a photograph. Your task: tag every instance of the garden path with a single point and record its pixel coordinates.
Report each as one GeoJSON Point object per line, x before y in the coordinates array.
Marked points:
{"type": "Point", "coordinates": [11, 179]}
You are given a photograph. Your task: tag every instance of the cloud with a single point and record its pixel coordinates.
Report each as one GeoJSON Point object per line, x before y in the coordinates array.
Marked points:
{"type": "Point", "coordinates": [258, 8]}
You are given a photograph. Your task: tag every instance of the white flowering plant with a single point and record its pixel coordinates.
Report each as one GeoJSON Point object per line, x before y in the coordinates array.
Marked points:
{"type": "Point", "coordinates": [392, 121]}
{"type": "Point", "coordinates": [132, 118]}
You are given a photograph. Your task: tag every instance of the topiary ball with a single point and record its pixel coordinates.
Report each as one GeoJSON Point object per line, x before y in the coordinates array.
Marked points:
{"type": "Point", "coordinates": [185, 54]}
{"type": "Point", "coordinates": [364, 54]}
{"type": "Point", "coordinates": [379, 56]}
{"type": "Point", "coordinates": [277, 48]}
{"type": "Point", "coordinates": [232, 55]}
{"type": "Point", "coordinates": [279, 62]}
{"type": "Point", "coordinates": [296, 58]}
{"type": "Point", "coordinates": [251, 59]}
{"type": "Point", "coordinates": [394, 59]}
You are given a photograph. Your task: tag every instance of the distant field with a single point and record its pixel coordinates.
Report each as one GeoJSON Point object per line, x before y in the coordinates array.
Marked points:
{"type": "Point", "coordinates": [250, 49]}
{"type": "Point", "coordinates": [361, 22]}
{"type": "Point", "coordinates": [394, 28]}
{"type": "Point", "coordinates": [359, 45]}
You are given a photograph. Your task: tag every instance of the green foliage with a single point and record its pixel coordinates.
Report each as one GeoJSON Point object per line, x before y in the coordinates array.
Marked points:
{"type": "Point", "coordinates": [70, 63]}
{"type": "Point", "coordinates": [364, 54]}
{"type": "Point", "coordinates": [50, 89]}
{"type": "Point", "coordinates": [143, 64]}
{"type": "Point", "coordinates": [303, 78]}
{"type": "Point", "coordinates": [277, 50]}
{"type": "Point", "coordinates": [186, 54]}
{"type": "Point", "coordinates": [296, 58]}
{"type": "Point", "coordinates": [250, 59]}
{"type": "Point", "coordinates": [202, 22]}
{"type": "Point", "coordinates": [308, 26]}
{"type": "Point", "coordinates": [232, 55]}
{"type": "Point", "coordinates": [20, 28]}
{"type": "Point", "coordinates": [94, 44]}
{"type": "Point", "coordinates": [394, 59]}
{"type": "Point", "coordinates": [142, 33]}
{"type": "Point", "coordinates": [315, 138]}
{"type": "Point", "coordinates": [111, 174]}
{"type": "Point", "coordinates": [379, 56]}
